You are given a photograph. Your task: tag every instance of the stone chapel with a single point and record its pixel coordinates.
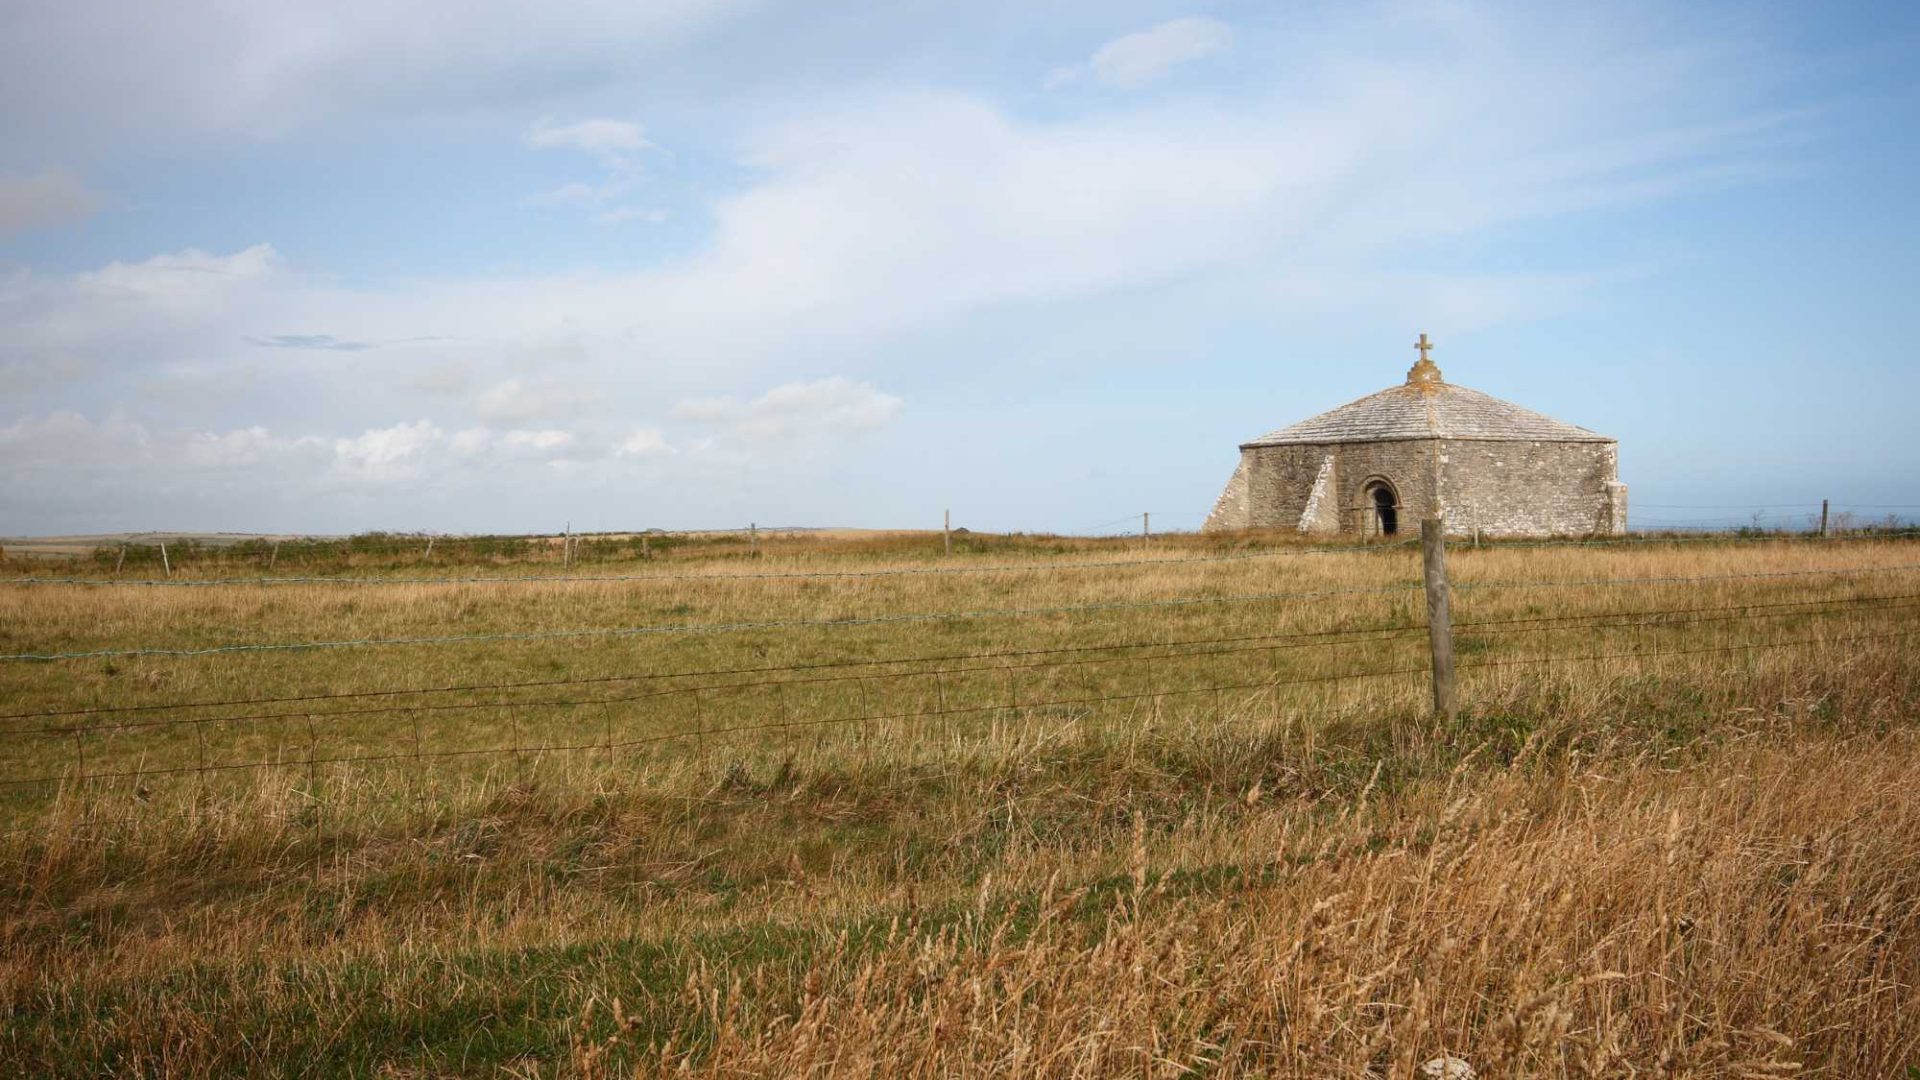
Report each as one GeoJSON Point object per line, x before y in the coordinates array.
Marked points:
{"type": "Point", "coordinates": [1376, 466]}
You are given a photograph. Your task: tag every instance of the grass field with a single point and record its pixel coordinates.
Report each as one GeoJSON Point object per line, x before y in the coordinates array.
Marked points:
{"type": "Point", "coordinates": [839, 805]}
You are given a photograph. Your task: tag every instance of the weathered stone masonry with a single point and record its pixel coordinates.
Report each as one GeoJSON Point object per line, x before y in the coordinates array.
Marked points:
{"type": "Point", "coordinates": [1370, 467]}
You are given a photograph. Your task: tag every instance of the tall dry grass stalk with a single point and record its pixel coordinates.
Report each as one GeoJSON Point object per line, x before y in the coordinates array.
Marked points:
{"type": "Point", "coordinates": [1759, 916]}
{"type": "Point", "coordinates": [1691, 853]}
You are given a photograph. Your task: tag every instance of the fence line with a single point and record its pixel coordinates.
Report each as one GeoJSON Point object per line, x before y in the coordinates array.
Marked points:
{"type": "Point", "coordinates": [1279, 642]}
{"type": "Point", "coordinates": [721, 628]}
{"type": "Point", "coordinates": [764, 704]}
{"type": "Point", "coordinates": [1731, 535]}
{"type": "Point", "coordinates": [701, 673]}
{"type": "Point", "coordinates": [1045, 566]}
{"type": "Point", "coordinates": [460, 706]}
{"type": "Point", "coordinates": [704, 732]}
{"type": "Point", "coordinates": [1012, 705]}
{"type": "Point", "coordinates": [934, 616]}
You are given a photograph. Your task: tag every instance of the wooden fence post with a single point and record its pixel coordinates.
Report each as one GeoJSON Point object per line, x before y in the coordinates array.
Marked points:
{"type": "Point", "coordinates": [1823, 517]}
{"type": "Point", "coordinates": [946, 530]}
{"type": "Point", "coordinates": [1433, 550]}
{"type": "Point", "coordinates": [1146, 527]}
{"type": "Point", "coordinates": [121, 559]}
{"type": "Point", "coordinates": [164, 562]}
{"type": "Point", "coordinates": [275, 556]}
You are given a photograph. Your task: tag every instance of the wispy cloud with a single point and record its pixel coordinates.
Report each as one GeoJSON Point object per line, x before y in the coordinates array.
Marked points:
{"type": "Point", "coordinates": [320, 342]}
{"type": "Point", "coordinates": [872, 234]}
{"type": "Point", "coordinates": [610, 140]}
{"type": "Point", "coordinates": [1139, 58]}
{"type": "Point", "coordinates": [614, 143]}
{"type": "Point", "coordinates": [795, 411]}
{"type": "Point", "coordinates": [267, 68]}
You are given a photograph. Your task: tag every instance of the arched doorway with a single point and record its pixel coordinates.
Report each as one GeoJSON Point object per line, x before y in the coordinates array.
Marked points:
{"type": "Point", "coordinates": [1382, 507]}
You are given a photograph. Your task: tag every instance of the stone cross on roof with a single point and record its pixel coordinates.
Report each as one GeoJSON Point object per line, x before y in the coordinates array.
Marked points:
{"type": "Point", "coordinates": [1424, 372]}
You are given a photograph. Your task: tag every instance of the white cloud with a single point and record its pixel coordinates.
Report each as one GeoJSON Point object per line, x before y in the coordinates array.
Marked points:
{"type": "Point", "coordinates": [316, 342]}
{"type": "Point", "coordinates": [189, 281]}
{"type": "Point", "coordinates": [599, 200]}
{"type": "Point", "coordinates": [269, 67]}
{"type": "Point", "coordinates": [650, 215]}
{"type": "Point", "coordinates": [915, 209]}
{"type": "Point", "coordinates": [1142, 57]}
{"type": "Point", "coordinates": [866, 231]}
{"type": "Point", "coordinates": [49, 197]}
{"type": "Point", "coordinates": [525, 400]}
{"type": "Point", "coordinates": [612, 142]}
{"type": "Point", "coordinates": [576, 194]}
{"type": "Point", "coordinates": [119, 450]}
{"type": "Point", "coordinates": [388, 453]}
{"type": "Point", "coordinates": [795, 411]}
{"type": "Point", "coordinates": [606, 138]}
{"type": "Point", "coordinates": [66, 438]}
{"type": "Point", "coordinates": [644, 442]}
{"type": "Point", "coordinates": [865, 221]}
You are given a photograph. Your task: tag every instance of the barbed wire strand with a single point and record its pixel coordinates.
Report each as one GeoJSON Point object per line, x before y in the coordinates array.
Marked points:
{"type": "Point", "coordinates": [703, 732]}
{"type": "Point", "coordinates": [881, 620]}
{"type": "Point", "coordinates": [1464, 626]}
{"type": "Point", "coordinates": [1011, 706]}
{"type": "Point", "coordinates": [67, 729]}
{"type": "Point", "coordinates": [1732, 535]}
{"type": "Point", "coordinates": [1352, 637]}
{"type": "Point", "coordinates": [780, 575]}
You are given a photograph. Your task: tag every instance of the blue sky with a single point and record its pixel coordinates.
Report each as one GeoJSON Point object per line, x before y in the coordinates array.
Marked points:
{"type": "Point", "coordinates": [477, 266]}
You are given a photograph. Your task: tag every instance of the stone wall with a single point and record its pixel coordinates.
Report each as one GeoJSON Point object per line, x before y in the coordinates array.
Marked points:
{"type": "Point", "coordinates": [1500, 487]}
{"type": "Point", "coordinates": [1230, 510]}
{"type": "Point", "coordinates": [1279, 481]}
{"type": "Point", "coordinates": [1533, 488]}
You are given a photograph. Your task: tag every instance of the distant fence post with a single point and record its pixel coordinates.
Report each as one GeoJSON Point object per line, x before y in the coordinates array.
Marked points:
{"type": "Point", "coordinates": [1823, 517]}
{"type": "Point", "coordinates": [429, 554]}
{"type": "Point", "coordinates": [165, 563]}
{"type": "Point", "coordinates": [1146, 527]}
{"type": "Point", "coordinates": [120, 560]}
{"type": "Point", "coordinates": [946, 531]}
{"type": "Point", "coordinates": [1433, 550]}
{"type": "Point", "coordinates": [274, 557]}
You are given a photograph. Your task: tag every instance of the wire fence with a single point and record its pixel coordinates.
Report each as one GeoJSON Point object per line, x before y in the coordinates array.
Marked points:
{"type": "Point", "coordinates": [1011, 705]}
{"type": "Point", "coordinates": [627, 711]}
{"type": "Point", "coordinates": [918, 617]}
{"type": "Point", "coordinates": [1679, 533]}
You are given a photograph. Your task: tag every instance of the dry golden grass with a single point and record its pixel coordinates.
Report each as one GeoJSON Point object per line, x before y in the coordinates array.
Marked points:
{"type": "Point", "coordinates": [1751, 917]}
{"type": "Point", "coordinates": [1694, 854]}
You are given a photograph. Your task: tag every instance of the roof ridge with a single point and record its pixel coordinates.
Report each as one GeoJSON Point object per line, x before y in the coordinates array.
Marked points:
{"type": "Point", "coordinates": [1429, 411]}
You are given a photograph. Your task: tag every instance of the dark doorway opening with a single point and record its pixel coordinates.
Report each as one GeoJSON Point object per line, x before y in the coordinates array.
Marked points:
{"type": "Point", "coordinates": [1386, 513]}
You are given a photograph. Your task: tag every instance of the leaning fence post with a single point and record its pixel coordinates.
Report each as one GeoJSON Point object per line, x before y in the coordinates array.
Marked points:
{"type": "Point", "coordinates": [1433, 550]}
{"type": "Point", "coordinates": [164, 563]}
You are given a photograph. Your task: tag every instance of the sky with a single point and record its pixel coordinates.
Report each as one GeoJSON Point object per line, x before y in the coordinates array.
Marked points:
{"type": "Point", "coordinates": [473, 266]}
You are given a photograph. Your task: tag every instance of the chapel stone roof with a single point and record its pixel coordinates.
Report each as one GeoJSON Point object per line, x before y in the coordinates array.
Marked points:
{"type": "Point", "coordinates": [1427, 407]}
